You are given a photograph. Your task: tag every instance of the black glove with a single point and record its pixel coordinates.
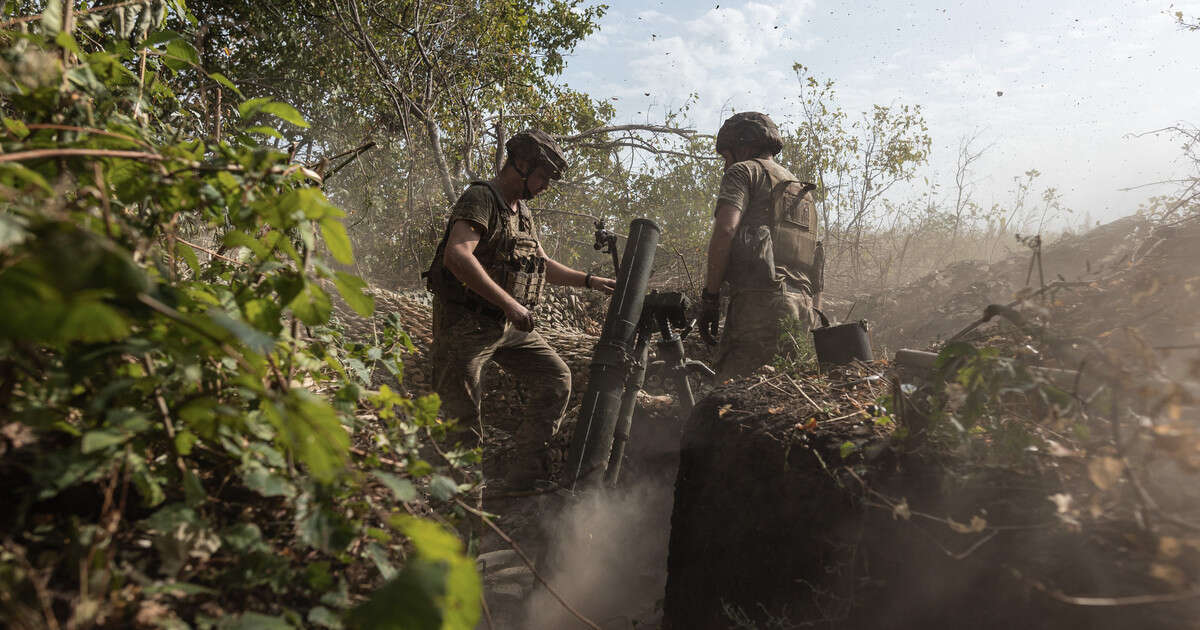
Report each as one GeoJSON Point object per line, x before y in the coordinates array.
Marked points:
{"type": "Point", "coordinates": [710, 317]}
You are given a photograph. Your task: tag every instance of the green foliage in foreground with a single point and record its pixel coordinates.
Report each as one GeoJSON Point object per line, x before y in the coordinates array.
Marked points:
{"type": "Point", "coordinates": [177, 418]}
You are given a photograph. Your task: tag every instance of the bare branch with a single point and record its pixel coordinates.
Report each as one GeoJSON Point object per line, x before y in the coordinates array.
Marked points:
{"type": "Point", "coordinates": [34, 18]}
{"type": "Point", "coordinates": [686, 133]}
{"type": "Point", "coordinates": [632, 143]}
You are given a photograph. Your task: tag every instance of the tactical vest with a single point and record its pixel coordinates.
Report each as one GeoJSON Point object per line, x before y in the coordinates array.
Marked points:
{"type": "Point", "coordinates": [514, 264]}
{"type": "Point", "coordinates": [778, 243]}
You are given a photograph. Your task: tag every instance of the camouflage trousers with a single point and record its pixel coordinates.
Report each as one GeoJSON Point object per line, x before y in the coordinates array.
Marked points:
{"type": "Point", "coordinates": [754, 322]}
{"type": "Point", "coordinates": [463, 342]}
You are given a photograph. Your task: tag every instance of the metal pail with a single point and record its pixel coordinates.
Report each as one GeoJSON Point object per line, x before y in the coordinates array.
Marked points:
{"type": "Point", "coordinates": [841, 344]}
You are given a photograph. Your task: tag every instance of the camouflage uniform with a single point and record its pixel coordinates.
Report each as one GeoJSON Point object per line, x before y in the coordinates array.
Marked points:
{"type": "Point", "coordinates": [761, 298]}
{"type": "Point", "coordinates": [467, 333]}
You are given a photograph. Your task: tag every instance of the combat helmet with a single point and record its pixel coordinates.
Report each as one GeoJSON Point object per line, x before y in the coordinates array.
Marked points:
{"type": "Point", "coordinates": [750, 128]}
{"type": "Point", "coordinates": [538, 147]}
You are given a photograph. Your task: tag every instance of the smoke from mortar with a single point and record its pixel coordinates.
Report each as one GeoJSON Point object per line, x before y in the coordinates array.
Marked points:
{"type": "Point", "coordinates": [607, 557]}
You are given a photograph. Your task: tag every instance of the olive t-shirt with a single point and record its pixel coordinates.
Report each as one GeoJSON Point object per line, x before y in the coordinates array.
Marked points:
{"type": "Point", "coordinates": [745, 183]}
{"type": "Point", "coordinates": [479, 206]}
{"type": "Point", "coordinates": [746, 186]}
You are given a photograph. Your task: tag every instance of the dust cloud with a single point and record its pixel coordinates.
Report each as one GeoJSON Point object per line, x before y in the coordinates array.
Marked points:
{"type": "Point", "coordinates": [607, 557]}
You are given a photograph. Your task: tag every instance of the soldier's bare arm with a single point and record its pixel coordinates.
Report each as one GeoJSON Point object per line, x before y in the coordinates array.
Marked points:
{"type": "Point", "coordinates": [724, 227]}
{"type": "Point", "coordinates": [560, 274]}
{"type": "Point", "coordinates": [461, 261]}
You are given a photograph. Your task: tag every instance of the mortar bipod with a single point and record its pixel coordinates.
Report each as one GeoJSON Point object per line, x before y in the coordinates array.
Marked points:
{"type": "Point", "coordinates": [663, 313]}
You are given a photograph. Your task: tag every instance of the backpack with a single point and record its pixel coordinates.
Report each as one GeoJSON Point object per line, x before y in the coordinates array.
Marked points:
{"type": "Point", "coordinates": [787, 236]}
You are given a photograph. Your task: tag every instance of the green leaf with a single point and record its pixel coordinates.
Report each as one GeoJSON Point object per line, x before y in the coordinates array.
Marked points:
{"type": "Point", "coordinates": [270, 131]}
{"type": "Point", "coordinates": [52, 16]}
{"type": "Point", "coordinates": [223, 80]}
{"type": "Point", "coordinates": [425, 408]}
{"type": "Point", "coordinates": [379, 557]}
{"type": "Point", "coordinates": [102, 438]}
{"type": "Point", "coordinates": [161, 37]}
{"type": "Point", "coordinates": [185, 251]}
{"type": "Point", "coordinates": [402, 488]}
{"type": "Point", "coordinates": [265, 105]}
{"type": "Point", "coordinates": [237, 238]}
{"type": "Point", "coordinates": [337, 240]}
{"type": "Point", "coordinates": [250, 336]}
{"type": "Point", "coordinates": [847, 449]}
{"type": "Point", "coordinates": [93, 322]}
{"type": "Point", "coordinates": [311, 202]}
{"type": "Point", "coordinates": [318, 577]}
{"type": "Point", "coordinates": [180, 54]}
{"type": "Point", "coordinates": [257, 621]}
{"type": "Point", "coordinates": [244, 537]}
{"type": "Point", "coordinates": [12, 231]}
{"type": "Point", "coordinates": [312, 305]}
{"type": "Point", "coordinates": [325, 529]}
{"type": "Point", "coordinates": [68, 42]}
{"type": "Point", "coordinates": [351, 289]}
{"type": "Point", "coordinates": [439, 587]}
{"type": "Point", "coordinates": [285, 112]}
{"type": "Point", "coordinates": [263, 481]}
{"type": "Point", "coordinates": [263, 314]}
{"type": "Point", "coordinates": [184, 441]}
{"type": "Point", "coordinates": [251, 106]}
{"type": "Point", "coordinates": [17, 128]}
{"type": "Point", "coordinates": [310, 429]}
{"type": "Point", "coordinates": [410, 601]}
{"type": "Point", "coordinates": [26, 175]}
{"type": "Point", "coordinates": [325, 618]}
{"type": "Point", "coordinates": [148, 484]}
{"type": "Point", "coordinates": [443, 488]}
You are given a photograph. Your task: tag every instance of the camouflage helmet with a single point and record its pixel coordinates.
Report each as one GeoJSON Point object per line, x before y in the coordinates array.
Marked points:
{"type": "Point", "coordinates": [754, 129]}
{"type": "Point", "coordinates": [538, 147]}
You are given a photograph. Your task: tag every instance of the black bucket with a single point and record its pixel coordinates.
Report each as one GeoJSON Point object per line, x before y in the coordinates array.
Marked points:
{"type": "Point", "coordinates": [841, 344]}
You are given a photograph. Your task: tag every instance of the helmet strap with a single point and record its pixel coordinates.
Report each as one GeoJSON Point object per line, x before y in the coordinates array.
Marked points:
{"type": "Point", "coordinates": [525, 192]}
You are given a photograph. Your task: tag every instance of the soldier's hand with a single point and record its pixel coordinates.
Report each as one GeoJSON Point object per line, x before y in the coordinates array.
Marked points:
{"type": "Point", "coordinates": [607, 285]}
{"type": "Point", "coordinates": [710, 317]}
{"type": "Point", "coordinates": [520, 317]}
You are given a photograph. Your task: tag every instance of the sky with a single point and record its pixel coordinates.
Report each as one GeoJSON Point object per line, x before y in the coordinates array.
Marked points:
{"type": "Point", "coordinates": [1061, 87]}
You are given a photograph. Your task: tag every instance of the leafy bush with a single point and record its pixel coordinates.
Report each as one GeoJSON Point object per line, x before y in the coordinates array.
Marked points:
{"type": "Point", "coordinates": [177, 417]}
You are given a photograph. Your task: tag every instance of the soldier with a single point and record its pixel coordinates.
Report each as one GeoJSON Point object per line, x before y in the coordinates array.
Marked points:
{"type": "Point", "coordinates": [487, 275]}
{"type": "Point", "coordinates": [764, 245]}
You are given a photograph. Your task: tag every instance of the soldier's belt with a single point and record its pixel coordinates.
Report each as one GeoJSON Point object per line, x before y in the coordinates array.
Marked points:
{"type": "Point", "coordinates": [480, 307]}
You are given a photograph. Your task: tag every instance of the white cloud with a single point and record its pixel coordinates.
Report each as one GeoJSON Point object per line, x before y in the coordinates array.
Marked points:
{"type": "Point", "coordinates": [1074, 80]}
{"type": "Point", "coordinates": [735, 57]}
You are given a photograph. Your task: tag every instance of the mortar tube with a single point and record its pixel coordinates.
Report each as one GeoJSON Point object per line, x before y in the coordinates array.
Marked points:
{"type": "Point", "coordinates": [633, 385]}
{"type": "Point", "coordinates": [591, 442]}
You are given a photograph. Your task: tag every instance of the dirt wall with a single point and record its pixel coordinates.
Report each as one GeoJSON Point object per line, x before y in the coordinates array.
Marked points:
{"type": "Point", "coordinates": [772, 528]}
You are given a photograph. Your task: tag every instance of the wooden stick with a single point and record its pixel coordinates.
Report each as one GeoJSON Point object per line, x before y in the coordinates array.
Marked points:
{"type": "Point", "coordinates": [529, 563]}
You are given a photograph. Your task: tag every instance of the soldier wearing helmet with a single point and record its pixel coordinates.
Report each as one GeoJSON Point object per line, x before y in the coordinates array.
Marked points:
{"type": "Point", "coordinates": [487, 276]}
{"type": "Point", "coordinates": [763, 246]}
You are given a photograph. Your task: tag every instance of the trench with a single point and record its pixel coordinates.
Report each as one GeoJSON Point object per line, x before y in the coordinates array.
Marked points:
{"type": "Point", "coordinates": [774, 530]}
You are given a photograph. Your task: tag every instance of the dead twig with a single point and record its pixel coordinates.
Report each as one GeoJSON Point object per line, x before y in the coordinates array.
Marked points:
{"type": "Point", "coordinates": [764, 381]}
{"type": "Point", "coordinates": [597, 131]}
{"type": "Point", "coordinates": [1123, 600]}
{"type": "Point", "coordinates": [38, 154]}
{"type": "Point", "coordinates": [382, 460]}
{"type": "Point", "coordinates": [801, 390]}
{"type": "Point", "coordinates": [529, 563]}
{"type": "Point", "coordinates": [208, 251]}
